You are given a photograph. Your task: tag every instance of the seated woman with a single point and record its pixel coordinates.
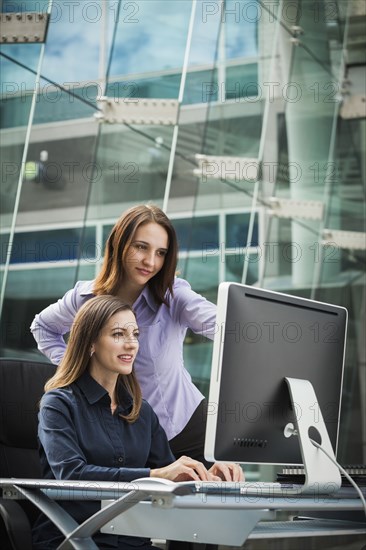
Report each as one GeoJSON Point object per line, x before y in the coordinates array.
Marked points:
{"type": "Point", "coordinates": [94, 424]}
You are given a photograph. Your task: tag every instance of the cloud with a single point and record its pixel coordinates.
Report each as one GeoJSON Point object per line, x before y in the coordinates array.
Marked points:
{"type": "Point", "coordinates": [151, 36]}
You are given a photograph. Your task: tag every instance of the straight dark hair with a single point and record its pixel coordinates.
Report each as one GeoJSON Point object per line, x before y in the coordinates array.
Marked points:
{"type": "Point", "coordinates": [116, 249]}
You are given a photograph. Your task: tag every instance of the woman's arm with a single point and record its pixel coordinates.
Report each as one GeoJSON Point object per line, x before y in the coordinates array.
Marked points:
{"type": "Point", "coordinates": [191, 310]}
{"type": "Point", "coordinates": [163, 463]}
{"type": "Point", "coordinates": [49, 326]}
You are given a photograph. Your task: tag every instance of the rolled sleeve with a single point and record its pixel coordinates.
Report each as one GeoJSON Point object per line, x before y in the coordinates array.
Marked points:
{"type": "Point", "coordinates": [193, 310]}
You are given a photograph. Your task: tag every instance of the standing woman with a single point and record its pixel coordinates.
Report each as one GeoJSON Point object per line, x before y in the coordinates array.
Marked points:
{"type": "Point", "coordinates": [139, 267]}
{"type": "Point", "coordinates": [94, 425]}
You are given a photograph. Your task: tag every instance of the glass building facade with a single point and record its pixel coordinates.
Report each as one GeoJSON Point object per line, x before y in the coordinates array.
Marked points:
{"type": "Point", "coordinates": [261, 167]}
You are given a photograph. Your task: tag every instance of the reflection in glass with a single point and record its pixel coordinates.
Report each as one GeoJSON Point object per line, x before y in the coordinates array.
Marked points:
{"type": "Point", "coordinates": [29, 291]}
{"type": "Point", "coordinates": [51, 246]}
{"type": "Point", "coordinates": [205, 236]}
{"type": "Point", "coordinates": [80, 176]}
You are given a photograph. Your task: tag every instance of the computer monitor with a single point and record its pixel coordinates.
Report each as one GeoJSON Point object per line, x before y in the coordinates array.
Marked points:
{"type": "Point", "coordinates": [263, 338]}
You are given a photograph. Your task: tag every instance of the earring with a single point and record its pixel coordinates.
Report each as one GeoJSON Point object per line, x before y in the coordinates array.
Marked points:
{"type": "Point", "coordinates": [91, 352]}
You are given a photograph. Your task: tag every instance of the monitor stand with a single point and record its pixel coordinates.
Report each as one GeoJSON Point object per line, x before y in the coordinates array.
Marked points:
{"type": "Point", "coordinates": [322, 476]}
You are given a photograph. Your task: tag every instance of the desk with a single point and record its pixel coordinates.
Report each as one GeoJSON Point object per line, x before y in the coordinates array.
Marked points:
{"type": "Point", "coordinates": [165, 510]}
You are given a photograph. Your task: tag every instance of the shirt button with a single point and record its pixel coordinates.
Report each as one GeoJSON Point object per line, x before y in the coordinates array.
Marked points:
{"type": "Point", "coordinates": [120, 459]}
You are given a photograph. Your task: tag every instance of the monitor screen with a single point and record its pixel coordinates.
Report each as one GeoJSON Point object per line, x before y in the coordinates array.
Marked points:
{"type": "Point", "coordinates": [262, 337]}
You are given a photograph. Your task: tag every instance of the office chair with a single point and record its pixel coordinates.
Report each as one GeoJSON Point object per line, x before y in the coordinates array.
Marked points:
{"type": "Point", "coordinates": [21, 388]}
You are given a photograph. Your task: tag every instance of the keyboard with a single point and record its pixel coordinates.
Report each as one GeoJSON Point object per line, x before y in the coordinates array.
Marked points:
{"type": "Point", "coordinates": [250, 488]}
{"type": "Point", "coordinates": [256, 489]}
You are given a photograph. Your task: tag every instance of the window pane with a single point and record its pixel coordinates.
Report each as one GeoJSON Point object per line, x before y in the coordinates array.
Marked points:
{"type": "Point", "coordinates": [29, 291]}
{"type": "Point", "coordinates": [198, 233]}
{"type": "Point", "coordinates": [237, 226]}
{"type": "Point", "coordinates": [52, 246]}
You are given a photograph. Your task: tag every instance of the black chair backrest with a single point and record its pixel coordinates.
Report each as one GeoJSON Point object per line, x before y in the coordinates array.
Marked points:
{"type": "Point", "coordinates": [21, 388]}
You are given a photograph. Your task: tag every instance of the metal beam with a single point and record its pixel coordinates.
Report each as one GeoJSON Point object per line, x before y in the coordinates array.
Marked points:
{"type": "Point", "coordinates": [354, 107]}
{"type": "Point", "coordinates": [293, 208]}
{"type": "Point", "coordinates": [23, 28]}
{"type": "Point", "coordinates": [352, 240]}
{"type": "Point", "coordinates": [138, 111]}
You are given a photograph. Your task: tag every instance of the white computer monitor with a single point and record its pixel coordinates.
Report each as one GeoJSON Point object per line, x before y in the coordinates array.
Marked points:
{"type": "Point", "coordinates": [262, 339]}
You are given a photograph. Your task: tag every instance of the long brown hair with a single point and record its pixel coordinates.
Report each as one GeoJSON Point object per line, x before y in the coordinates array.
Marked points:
{"type": "Point", "coordinates": [116, 249]}
{"type": "Point", "coordinates": [85, 330]}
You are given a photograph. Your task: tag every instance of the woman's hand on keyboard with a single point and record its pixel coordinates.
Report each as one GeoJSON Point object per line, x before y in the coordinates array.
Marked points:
{"type": "Point", "coordinates": [183, 469]}
{"type": "Point", "coordinates": [226, 471]}
{"type": "Point", "coordinates": [188, 469]}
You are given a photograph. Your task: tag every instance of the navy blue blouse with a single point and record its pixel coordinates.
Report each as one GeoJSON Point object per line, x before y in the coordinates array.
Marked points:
{"type": "Point", "coordinates": [80, 439]}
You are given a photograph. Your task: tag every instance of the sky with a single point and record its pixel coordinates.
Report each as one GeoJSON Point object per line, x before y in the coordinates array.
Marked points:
{"type": "Point", "coordinates": [151, 36]}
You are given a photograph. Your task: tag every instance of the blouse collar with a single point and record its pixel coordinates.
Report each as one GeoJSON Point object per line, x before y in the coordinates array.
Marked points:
{"type": "Point", "coordinates": [94, 392]}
